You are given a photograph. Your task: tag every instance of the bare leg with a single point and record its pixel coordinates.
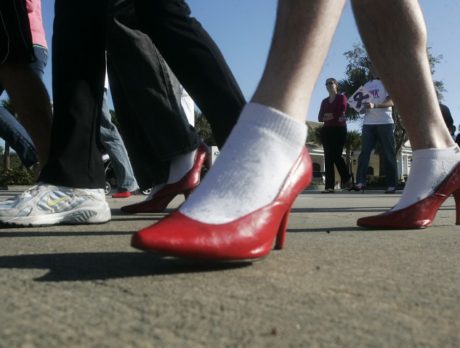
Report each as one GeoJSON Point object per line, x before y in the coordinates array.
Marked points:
{"type": "Point", "coordinates": [395, 36]}
{"type": "Point", "coordinates": [227, 215]}
{"type": "Point", "coordinates": [32, 103]}
{"type": "Point", "coordinates": [303, 34]}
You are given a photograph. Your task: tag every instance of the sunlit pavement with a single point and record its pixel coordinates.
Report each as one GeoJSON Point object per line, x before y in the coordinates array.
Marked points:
{"type": "Point", "coordinates": [334, 285]}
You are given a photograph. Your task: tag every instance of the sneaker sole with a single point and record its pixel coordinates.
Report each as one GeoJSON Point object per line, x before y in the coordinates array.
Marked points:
{"type": "Point", "coordinates": [75, 217]}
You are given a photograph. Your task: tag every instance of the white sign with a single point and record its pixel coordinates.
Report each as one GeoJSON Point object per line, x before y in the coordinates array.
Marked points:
{"type": "Point", "coordinates": [358, 98]}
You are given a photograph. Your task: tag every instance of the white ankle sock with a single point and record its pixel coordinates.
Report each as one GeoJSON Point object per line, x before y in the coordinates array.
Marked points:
{"type": "Point", "coordinates": [251, 167]}
{"type": "Point", "coordinates": [180, 165]}
{"type": "Point", "coordinates": [429, 168]}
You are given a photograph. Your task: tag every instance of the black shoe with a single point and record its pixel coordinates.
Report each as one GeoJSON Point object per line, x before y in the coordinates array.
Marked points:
{"type": "Point", "coordinates": [358, 188]}
{"type": "Point", "coordinates": [348, 185]}
{"type": "Point", "coordinates": [328, 191]}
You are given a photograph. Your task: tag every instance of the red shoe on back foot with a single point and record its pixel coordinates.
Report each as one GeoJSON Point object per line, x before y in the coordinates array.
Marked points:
{"type": "Point", "coordinates": [160, 200]}
{"type": "Point", "coordinates": [247, 238]}
{"type": "Point", "coordinates": [422, 213]}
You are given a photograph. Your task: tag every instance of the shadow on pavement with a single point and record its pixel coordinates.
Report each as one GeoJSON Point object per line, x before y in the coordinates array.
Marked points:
{"type": "Point", "coordinates": [340, 210]}
{"type": "Point", "coordinates": [327, 229]}
{"type": "Point", "coordinates": [35, 233]}
{"type": "Point", "coordinates": [146, 218]}
{"type": "Point", "coordinates": [101, 266]}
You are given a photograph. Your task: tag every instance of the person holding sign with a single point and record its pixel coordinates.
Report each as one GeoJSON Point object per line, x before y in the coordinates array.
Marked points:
{"type": "Point", "coordinates": [334, 135]}
{"type": "Point", "coordinates": [378, 127]}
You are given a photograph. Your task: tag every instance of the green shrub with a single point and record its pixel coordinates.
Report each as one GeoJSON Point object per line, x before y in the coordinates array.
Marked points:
{"type": "Point", "coordinates": [16, 176]}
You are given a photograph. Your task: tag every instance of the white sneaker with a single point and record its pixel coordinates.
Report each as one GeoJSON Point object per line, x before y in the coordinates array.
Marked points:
{"type": "Point", "coordinates": [45, 204]}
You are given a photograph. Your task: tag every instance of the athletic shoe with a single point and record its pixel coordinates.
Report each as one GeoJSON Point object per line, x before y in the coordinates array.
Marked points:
{"type": "Point", "coordinates": [43, 205]}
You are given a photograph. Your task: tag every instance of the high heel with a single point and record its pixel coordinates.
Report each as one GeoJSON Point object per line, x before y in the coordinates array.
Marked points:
{"type": "Point", "coordinates": [247, 238]}
{"type": "Point", "coordinates": [281, 235]}
{"type": "Point", "coordinates": [160, 200]}
{"type": "Point", "coordinates": [456, 195]}
{"type": "Point", "coordinates": [421, 213]}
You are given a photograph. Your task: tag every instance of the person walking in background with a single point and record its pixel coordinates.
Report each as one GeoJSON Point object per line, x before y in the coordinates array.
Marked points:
{"type": "Point", "coordinates": [447, 116]}
{"type": "Point", "coordinates": [23, 57]}
{"type": "Point", "coordinates": [154, 110]}
{"type": "Point", "coordinates": [334, 136]}
{"type": "Point", "coordinates": [378, 127]}
{"type": "Point", "coordinates": [74, 174]}
{"type": "Point", "coordinates": [155, 127]}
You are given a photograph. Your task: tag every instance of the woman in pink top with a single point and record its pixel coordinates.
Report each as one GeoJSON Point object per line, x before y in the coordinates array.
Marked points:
{"type": "Point", "coordinates": [23, 56]}
{"type": "Point", "coordinates": [40, 47]}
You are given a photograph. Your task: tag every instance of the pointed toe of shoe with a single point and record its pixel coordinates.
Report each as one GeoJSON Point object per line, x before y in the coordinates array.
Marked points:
{"type": "Point", "coordinates": [149, 206]}
{"type": "Point", "coordinates": [169, 236]}
{"type": "Point", "coordinates": [393, 221]}
{"type": "Point", "coordinates": [127, 209]}
{"type": "Point", "coordinates": [138, 242]}
{"type": "Point", "coordinates": [134, 208]}
{"type": "Point", "coordinates": [372, 222]}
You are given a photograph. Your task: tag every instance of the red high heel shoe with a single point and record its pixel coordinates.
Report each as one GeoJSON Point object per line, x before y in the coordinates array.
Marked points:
{"type": "Point", "coordinates": [166, 194]}
{"type": "Point", "coordinates": [247, 238]}
{"type": "Point", "coordinates": [421, 213]}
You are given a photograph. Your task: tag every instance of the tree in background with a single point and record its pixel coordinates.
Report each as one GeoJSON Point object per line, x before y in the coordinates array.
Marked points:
{"type": "Point", "coordinates": [314, 134]}
{"type": "Point", "coordinates": [203, 129]}
{"type": "Point", "coordinates": [358, 73]}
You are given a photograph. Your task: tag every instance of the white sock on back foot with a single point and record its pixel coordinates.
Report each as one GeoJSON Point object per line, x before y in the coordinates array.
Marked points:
{"type": "Point", "coordinates": [181, 165]}
{"type": "Point", "coordinates": [251, 167]}
{"type": "Point", "coordinates": [429, 168]}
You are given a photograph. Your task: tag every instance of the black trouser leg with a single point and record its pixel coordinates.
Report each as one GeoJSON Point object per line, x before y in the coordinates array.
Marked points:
{"type": "Point", "coordinates": [195, 60]}
{"type": "Point", "coordinates": [78, 84]}
{"type": "Point", "coordinates": [146, 98]}
{"type": "Point", "coordinates": [340, 140]}
{"type": "Point", "coordinates": [328, 159]}
{"type": "Point", "coordinates": [334, 139]}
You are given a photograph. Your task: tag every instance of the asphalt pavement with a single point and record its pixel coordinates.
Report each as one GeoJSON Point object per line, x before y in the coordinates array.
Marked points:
{"type": "Point", "coordinates": [334, 284]}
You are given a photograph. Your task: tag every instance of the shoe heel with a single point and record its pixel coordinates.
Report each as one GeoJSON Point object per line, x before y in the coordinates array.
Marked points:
{"type": "Point", "coordinates": [457, 206]}
{"type": "Point", "coordinates": [281, 235]}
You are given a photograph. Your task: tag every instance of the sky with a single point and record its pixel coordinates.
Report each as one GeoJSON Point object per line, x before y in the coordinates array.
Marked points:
{"type": "Point", "coordinates": [243, 29]}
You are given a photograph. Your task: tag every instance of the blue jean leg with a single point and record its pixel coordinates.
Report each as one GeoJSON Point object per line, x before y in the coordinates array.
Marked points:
{"type": "Point", "coordinates": [386, 138]}
{"type": "Point", "coordinates": [11, 130]}
{"type": "Point", "coordinates": [17, 137]}
{"type": "Point", "coordinates": [115, 147]}
{"type": "Point", "coordinates": [41, 55]}
{"type": "Point", "coordinates": [368, 141]}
